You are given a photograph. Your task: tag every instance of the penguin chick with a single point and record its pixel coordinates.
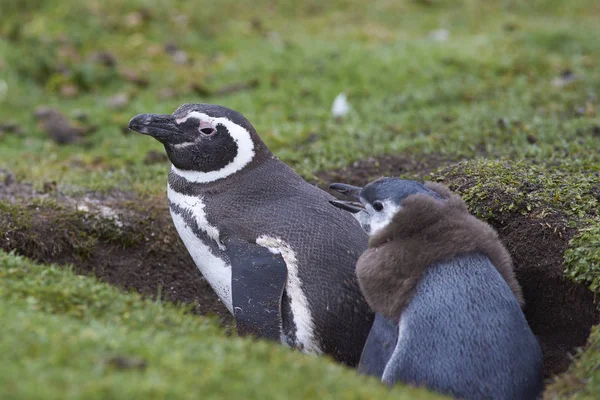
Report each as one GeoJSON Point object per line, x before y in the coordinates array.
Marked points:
{"type": "Point", "coordinates": [447, 303]}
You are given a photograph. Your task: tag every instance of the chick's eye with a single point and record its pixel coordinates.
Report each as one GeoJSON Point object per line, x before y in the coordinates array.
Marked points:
{"type": "Point", "coordinates": [377, 206]}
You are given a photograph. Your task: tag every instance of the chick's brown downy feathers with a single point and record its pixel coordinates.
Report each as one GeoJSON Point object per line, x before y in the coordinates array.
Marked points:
{"type": "Point", "coordinates": [425, 231]}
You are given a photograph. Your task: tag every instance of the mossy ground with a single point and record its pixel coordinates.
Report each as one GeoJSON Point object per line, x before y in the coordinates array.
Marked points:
{"type": "Point", "coordinates": [70, 337]}
{"type": "Point", "coordinates": [515, 85]}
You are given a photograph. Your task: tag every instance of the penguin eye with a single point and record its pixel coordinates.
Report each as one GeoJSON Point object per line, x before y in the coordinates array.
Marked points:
{"type": "Point", "coordinates": [378, 206]}
{"type": "Point", "coordinates": [208, 131]}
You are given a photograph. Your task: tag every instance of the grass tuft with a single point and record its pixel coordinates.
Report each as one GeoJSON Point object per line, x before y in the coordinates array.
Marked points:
{"type": "Point", "coordinates": [65, 336]}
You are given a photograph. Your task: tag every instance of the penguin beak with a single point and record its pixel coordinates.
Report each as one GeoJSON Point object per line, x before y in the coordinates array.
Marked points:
{"type": "Point", "coordinates": [351, 206]}
{"type": "Point", "coordinates": [350, 191]}
{"type": "Point", "coordinates": [160, 127]}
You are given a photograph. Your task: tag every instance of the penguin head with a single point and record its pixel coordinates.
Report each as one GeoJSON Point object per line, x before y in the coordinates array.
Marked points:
{"type": "Point", "coordinates": [375, 205]}
{"type": "Point", "coordinates": [203, 138]}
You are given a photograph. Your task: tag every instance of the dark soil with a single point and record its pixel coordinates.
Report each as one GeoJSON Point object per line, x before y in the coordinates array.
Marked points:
{"type": "Point", "coordinates": [559, 311]}
{"type": "Point", "coordinates": [364, 171]}
{"type": "Point", "coordinates": [141, 251]}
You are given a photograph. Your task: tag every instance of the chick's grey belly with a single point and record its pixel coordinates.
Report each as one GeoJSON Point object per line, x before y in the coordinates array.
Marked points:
{"type": "Point", "coordinates": [464, 333]}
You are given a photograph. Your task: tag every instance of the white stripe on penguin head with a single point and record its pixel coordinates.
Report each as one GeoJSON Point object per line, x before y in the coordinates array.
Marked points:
{"type": "Point", "coordinates": [245, 150]}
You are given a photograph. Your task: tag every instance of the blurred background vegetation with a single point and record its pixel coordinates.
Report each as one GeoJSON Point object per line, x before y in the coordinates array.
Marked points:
{"type": "Point", "coordinates": [512, 78]}
{"type": "Point", "coordinates": [515, 83]}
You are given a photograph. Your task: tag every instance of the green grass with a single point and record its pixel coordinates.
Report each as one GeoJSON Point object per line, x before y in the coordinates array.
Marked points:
{"type": "Point", "coordinates": [485, 92]}
{"type": "Point", "coordinates": [582, 258]}
{"type": "Point", "coordinates": [66, 337]}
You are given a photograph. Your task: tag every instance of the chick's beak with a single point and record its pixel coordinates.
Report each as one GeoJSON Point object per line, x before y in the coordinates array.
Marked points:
{"type": "Point", "coordinates": [160, 127]}
{"type": "Point", "coordinates": [353, 206]}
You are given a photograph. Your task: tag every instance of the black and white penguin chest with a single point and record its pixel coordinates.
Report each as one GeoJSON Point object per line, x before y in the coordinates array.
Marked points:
{"type": "Point", "coordinates": [196, 218]}
{"type": "Point", "coordinates": [202, 240]}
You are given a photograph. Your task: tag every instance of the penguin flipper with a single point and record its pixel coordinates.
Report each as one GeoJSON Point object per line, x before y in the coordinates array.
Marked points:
{"type": "Point", "coordinates": [258, 279]}
{"type": "Point", "coordinates": [379, 347]}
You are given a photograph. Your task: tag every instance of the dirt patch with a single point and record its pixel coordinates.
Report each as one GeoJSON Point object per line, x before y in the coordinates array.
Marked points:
{"type": "Point", "coordinates": [363, 171]}
{"type": "Point", "coordinates": [560, 312]}
{"type": "Point", "coordinates": [110, 236]}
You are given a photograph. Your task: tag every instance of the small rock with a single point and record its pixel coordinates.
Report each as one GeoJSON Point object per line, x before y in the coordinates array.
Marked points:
{"type": "Point", "coordinates": [274, 80]}
{"type": "Point", "coordinates": [61, 39]}
{"type": "Point", "coordinates": [105, 58]}
{"type": "Point", "coordinates": [134, 19]}
{"type": "Point", "coordinates": [566, 77]}
{"type": "Point", "coordinates": [58, 126]}
{"type": "Point", "coordinates": [586, 111]}
{"type": "Point", "coordinates": [49, 187]}
{"type": "Point", "coordinates": [275, 39]}
{"type": "Point", "coordinates": [68, 90]}
{"type": "Point", "coordinates": [155, 157]}
{"type": "Point", "coordinates": [178, 56]}
{"type": "Point", "coordinates": [171, 47]}
{"type": "Point", "coordinates": [257, 25]}
{"type": "Point", "coordinates": [9, 177]}
{"type": "Point", "coordinates": [119, 100]}
{"type": "Point", "coordinates": [134, 77]}
{"type": "Point", "coordinates": [237, 87]}
{"type": "Point", "coordinates": [340, 106]}
{"type": "Point", "coordinates": [68, 52]}
{"type": "Point", "coordinates": [313, 137]}
{"type": "Point", "coordinates": [120, 362]}
{"type": "Point", "coordinates": [394, 128]}
{"type": "Point", "coordinates": [10, 127]}
{"type": "Point", "coordinates": [182, 19]}
{"type": "Point", "coordinates": [200, 88]}
{"type": "Point", "coordinates": [80, 115]}
{"type": "Point", "coordinates": [125, 130]}
{"type": "Point", "coordinates": [154, 50]}
{"type": "Point", "coordinates": [167, 93]}
{"type": "Point", "coordinates": [77, 163]}
{"type": "Point", "coordinates": [63, 69]}
{"type": "Point", "coordinates": [439, 35]}
{"type": "Point", "coordinates": [503, 123]}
